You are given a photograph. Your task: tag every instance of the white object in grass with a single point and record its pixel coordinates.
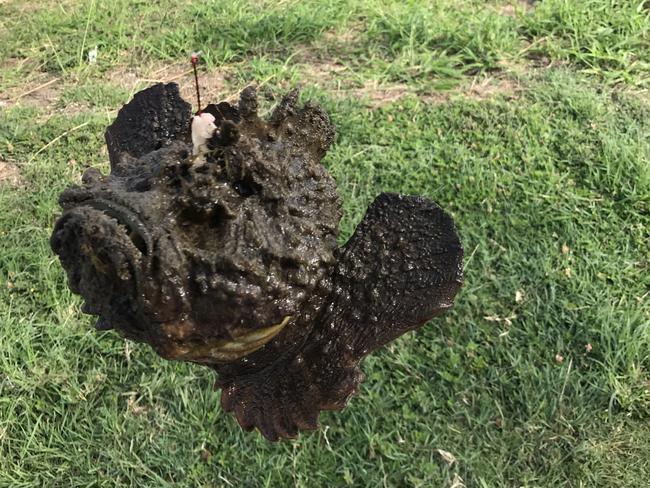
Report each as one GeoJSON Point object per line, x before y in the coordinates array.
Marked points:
{"type": "Point", "coordinates": [92, 56]}
{"type": "Point", "coordinates": [203, 129]}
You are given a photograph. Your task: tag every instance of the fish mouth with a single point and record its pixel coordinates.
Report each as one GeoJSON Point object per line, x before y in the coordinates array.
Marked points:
{"type": "Point", "coordinates": [103, 247]}
{"type": "Point", "coordinates": [128, 219]}
{"type": "Point", "coordinates": [221, 351]}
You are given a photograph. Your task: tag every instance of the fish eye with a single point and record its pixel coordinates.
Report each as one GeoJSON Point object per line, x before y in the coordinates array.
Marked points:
{"type": "Point", "coordinates": [246, 187]}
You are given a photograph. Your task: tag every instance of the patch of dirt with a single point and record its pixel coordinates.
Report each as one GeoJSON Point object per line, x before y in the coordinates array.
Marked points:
{"type": "Point", "coordinates": [317, 67]}
{"type": "Point", "coordinates": [14, 63]}
{"type": "Point", "coordinates": [515, 9]}
{"type": "Point", "coordinates": [338, 79]}
{"type": "Point", "coordinates": [319, 70]}
{"type": "Point", "coordinates": [26, 8]}
{"type": "Point", "coordinates": [508, 10]}
{"type": "Point", "coordinates": [213, 84]}
{"type": "Point", "coordinates": [9, 174]}
{"type": "Point", "coordinates": [43, 89]}
{"type": "Point", "coordinates": [489, 88]}
{"type": "Point", "coordinates": [43, 94]}
{"type": "Point", "coordinates": [377, 95]}
{"type": "Point", "coordinates": [37, 87]}
{"type": "Point", "coordinates": [321, 62]}
{"type": "Point", "coordinates": [75, 108]}
{"type": "Point", "coordinates": [133, 406]}
{"type": "Point", "coordinates": [316, 71]}
{"type": "Point", "coordinates": [347, 37]}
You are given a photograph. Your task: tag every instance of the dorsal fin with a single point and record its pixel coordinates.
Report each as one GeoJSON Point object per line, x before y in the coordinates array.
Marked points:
{"type": "Point", "coordinates": [155, 117]}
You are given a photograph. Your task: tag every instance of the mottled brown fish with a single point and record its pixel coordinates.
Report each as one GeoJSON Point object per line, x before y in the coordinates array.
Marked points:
{"type": "Point", "coordinates": [229, 257]}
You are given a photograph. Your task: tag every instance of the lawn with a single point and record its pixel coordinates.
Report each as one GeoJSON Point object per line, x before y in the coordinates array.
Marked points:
{"type": "Point", "coordinates": [528, 121]}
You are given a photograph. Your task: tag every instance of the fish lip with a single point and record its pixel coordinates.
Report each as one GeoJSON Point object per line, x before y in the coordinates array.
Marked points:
{"type": "Point", "coordinates": [143, 240]}
{"type": "Point", "coordinates": [67, 251]}
{"type": "Point", "coordinates": [136, 230]}
{"type": "Point", "coordinates": [141, 257]}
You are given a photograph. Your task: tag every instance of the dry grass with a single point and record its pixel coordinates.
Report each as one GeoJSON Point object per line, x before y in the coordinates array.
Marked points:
{"type": "Point", "coordinates": [28, 84]}
{"type": "Point", "coordinates": [213, 84]}
{"type": "Point", "coordinates": [9, 174]}
{"type": "Point", "coordinates": [376, 94]}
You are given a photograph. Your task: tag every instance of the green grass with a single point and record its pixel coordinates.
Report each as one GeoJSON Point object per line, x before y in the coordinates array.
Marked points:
{"type": "Point", "coordinates": [549, 186]}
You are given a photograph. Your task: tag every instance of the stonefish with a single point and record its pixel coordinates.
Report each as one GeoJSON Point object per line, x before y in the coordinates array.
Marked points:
{"type": "Point", "coordinates": [228, 256]}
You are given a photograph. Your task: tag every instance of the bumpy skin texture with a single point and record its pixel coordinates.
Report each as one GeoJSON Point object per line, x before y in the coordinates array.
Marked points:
{"type": "Point", "coordinates": [230, 259]}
